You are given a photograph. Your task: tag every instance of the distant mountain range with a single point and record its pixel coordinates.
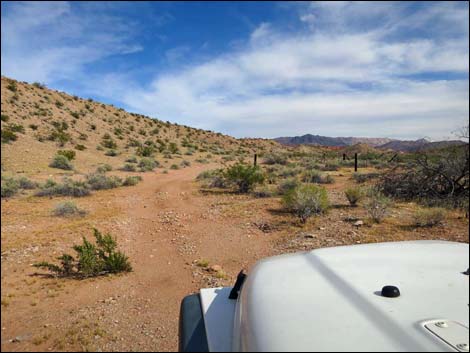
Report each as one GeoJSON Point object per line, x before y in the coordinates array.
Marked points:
{"type": "Point", "coordinates": [381, 143]}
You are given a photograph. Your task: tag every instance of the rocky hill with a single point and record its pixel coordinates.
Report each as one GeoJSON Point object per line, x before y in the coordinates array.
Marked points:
{"type": "Point", "coordinates": [381, 143]}
{"type": "Point", "coordinates": [318, 140]}
{"type": "Point", "coordinates": [37, 121]}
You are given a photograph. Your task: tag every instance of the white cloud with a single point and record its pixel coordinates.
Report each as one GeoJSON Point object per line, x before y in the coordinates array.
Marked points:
{"type": "Point", "coordinates": [47, 41]}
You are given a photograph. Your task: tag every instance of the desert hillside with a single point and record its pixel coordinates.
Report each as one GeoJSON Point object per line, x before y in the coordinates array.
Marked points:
{"type": "Point", "coordinates": [37, 121]}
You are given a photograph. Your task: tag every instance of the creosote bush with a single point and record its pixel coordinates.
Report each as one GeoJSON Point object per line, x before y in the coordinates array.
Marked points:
{"type": "Point", "coordinates": [147, 164]}
{"type": "Point", "coordinates": [429, 217]}
{"type": "Point", "coordinates": [306, 200]}
{"type": "Point", "coordinates": [68, 187]}
{"type": "Point", "coordinates": [244, 176]}
{"type": "Point", "coordinates": [61, 162]}
{"type": "Point", "coordinates": [377, 205]}
{"type": "Point", "coordinates": [67, 209]}
{"type": "Point", "coordinates": [132, 180]}
{"type": "Point", "coordinates": [9, 187]}
{"type": "Point", "coordinates": [91, 259]}
{"type": "Point", "coordinates": [69, 154]}
{"type": "Point", "coordinates": [100, 181]}
{"type": "Point", "coordinates": [354, 195]}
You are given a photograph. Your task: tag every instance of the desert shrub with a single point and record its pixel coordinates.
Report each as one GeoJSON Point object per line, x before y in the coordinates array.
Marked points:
{"type": "Point", "coordinates": [108, 142]}
{"type": "Point", "coordinates": [306, 200]}
{"type": "Point", "coordinates": [132, 159]}
{"type": "Point", "coordinates": [92, 259]}
{"type": "Point", "coordinates": [111, 153]}
{"type": "Point", "coordinates": [202, 160]}
{"type": "Point", "coordinates": [244, 176]}
{"type": "Point", "coordinates": [287, 185]}
{"type": "Point", "coordinates": [377, 205]}
{"type": "Point", "coordinates": [100, 181]}
{"type": "Point", "coordinates": [33, 127]}
{"type": "Point", "coordinates": [103, 168]}
{"type": "Point", "coordinates": [69, 154]}
{"type": "Point", "coordinates": [128, 167]}
{"type": "Point", "coordinates": [185, 163]}
{"type": "Point", "coordinates": [67, 209]}
{"type": "Point", "coordinates": [12, 86]}
{"type": "Point", "coordinates": [145, 151]}
{"type": "Point", "coordinates": [429, 217]}
{"type": "Point", "coordinates": [27, 184]}
{"type": "Point", "coordinates": [61, 162]}
{"type": "Point", "coordinates": [275, 158]}
{"type": "Point", "coordinates": [173, 148]}
{"type": "Point", "coordinates": [433, 178]}
{"type": "Point", "coordinates": [363, 177]}
{"type": "Point", "coordinates": [330, 166]}
{"type": "Point", "coordinates": [262, 192]}
{"type": "Point", "coordinates": [314, 176]}
{"type": "Point", "coordinates": [213, 178]}
{"type": "Point", "coordinates": [80, 147]}
{"type": "Point", "coordinates": [5, 118]}
{"type": "Point", "coordinates": [15, 128]}
{"type": "Point", "coordinates": [174, 166]}
{"type": "Point", "coordinates": [147, 164]}
{"type": "Point", "coordinates": [59, 136]}
{"type": "Point", "coordinates": [354, 195]}
{"type": "Point", "coordinates": [287, 172]}
{"type": "Point", "coordinates": [39, 85]}
{"type": "Point", "coordinates": [132, 180]}
{"type": "Point", "coordinates": [68, 187]}
{"type": "Point", "coordinates": [9, 186]}
{"type": "Point", "coordinates": [8, 135]}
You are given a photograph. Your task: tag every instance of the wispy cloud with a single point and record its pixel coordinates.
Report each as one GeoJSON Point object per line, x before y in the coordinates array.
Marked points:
{"type": "Point", "coordinates": [49, 41]}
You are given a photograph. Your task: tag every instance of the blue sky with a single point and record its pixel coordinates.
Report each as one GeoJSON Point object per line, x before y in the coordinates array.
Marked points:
{"type": "Point", "coordinates": [257, 69]}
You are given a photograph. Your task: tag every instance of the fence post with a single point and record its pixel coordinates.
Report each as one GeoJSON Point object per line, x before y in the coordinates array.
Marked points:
{"type": "Point", "coordinates": [344, 156]}
{"type": "Point", "coordinates": [255, 159]}
{"type": "Point", "coordinates": [355, 162]}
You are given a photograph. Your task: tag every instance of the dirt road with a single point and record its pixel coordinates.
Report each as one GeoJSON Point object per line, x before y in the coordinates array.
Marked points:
{"type": "Point", "coordinates": [164, 224]}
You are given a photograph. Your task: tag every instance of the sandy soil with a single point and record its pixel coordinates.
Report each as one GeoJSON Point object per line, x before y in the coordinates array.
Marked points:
{"type": "Point", "coordinates": [164, 224]}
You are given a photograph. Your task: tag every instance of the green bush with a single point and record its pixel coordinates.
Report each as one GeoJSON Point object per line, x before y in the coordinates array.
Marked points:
{"type": "Point", "coordinates": [69, 187]}
{"type": "Point", "coordinates": [377, 205]}
{"type": "Point", "coordinates": [100, 181]}
{"type": "Point", "coordinates": [145, 151]}
{"type": "Point", "coordinates": [306, 200]}
{"type": "Point", "coordinates": [92, 260]}
{"type": "Point", "coordinates": [213, 178]}
{"type": "Point", "coordinates": [69, 154]}
{"type": "Point", "coordinates": [275, 158]}
{"type": "Point", "coordinates": [147, 164]}
{"type": "Point", "coordinates": [103, 168]}
{"type": "Point", "coordinates": [8, 135]}
{"type": "Point", "coordinates": [27, 184]}
{"type": "Point", "coordinates": [185, 163]}
{"type": "Point", "coordinates": [288, 185]}
{"type": "Point", "coordinates": [174, 166]}
{"type": "Point", "coordinates": [5, 118]}
{"type": "Point", "coordinates": [80, 147]}
{"type": "Point", "coordinates": [244, 176]}
{"type": "Point", "coordinates": [132, 180]}
{"type": "Point", "coordinates": [129, 167]}
{"type": "Point", "coordinates": [354, 195]}
{"type": "Point", "coordinates": [314, 176]}
{"type": "Point", "coordinates": [429, 217]}
{"type": "Point", "coordinates": [61, 162]}
{"type": "Point", "coordinates": [9, 186]}
{"type": "Point", "coordinates": [111, 153]}
{"type": "Point", "coordinates": [108, 142]}
{"type": "Point", "coordinates": [132, 159]}
{"type": "Point", "coordinates": [67, 209]}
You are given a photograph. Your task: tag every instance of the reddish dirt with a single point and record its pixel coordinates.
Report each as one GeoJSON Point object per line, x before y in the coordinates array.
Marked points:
{"type": "Point", "coordinates": [164, 224]}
